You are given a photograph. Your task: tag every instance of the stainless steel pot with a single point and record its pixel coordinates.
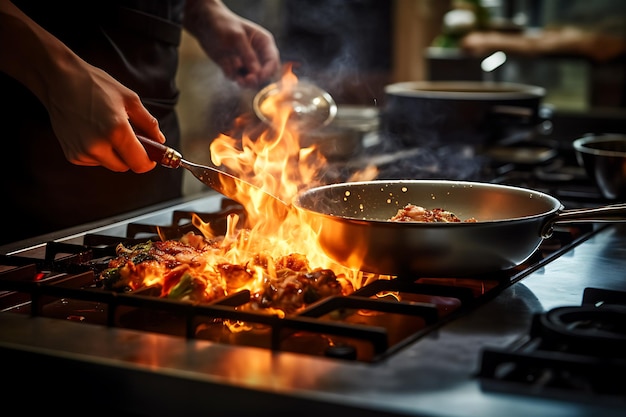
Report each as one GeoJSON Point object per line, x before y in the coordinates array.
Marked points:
{"type": "Point", "coordinates": [351, 220]}
{"type": "Point", "coordinates": [604, 159]}
{"type": "Point", "coordinates": [344, 136]}
{"type": "Point", "coordinates": [438, 113]}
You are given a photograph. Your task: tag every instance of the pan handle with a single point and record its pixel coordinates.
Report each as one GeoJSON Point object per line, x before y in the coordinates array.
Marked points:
{"type": "Point", "coordinates": [160, 153]}
{"type": "Point", "coordinates": [610, 213]}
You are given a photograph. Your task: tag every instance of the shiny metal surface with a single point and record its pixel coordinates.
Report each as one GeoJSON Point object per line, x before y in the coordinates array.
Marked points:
{"type": "Point", "coordinates": [351, 220]}
{"type": "Point", "coordinates": [140, 374]}
{"type": "Point", "coordinates": [305, 105]}
{"type": "Point", "coordinates": [466, 90]}
{"type": "Point", "coordinates": [604, 160]}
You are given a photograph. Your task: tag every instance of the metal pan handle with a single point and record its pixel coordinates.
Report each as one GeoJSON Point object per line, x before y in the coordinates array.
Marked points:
{"type": "Point", "coordinates": [611, 213]}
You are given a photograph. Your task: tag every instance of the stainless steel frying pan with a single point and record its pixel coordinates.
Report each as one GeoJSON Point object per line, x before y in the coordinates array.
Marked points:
{"type": "Point", "coordinates": [351, 220]}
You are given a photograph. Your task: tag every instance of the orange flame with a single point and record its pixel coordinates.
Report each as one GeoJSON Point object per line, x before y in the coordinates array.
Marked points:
{"type": "Point", "coordinates": [272, 159]}
{"type": "Point", "coordinates": [275, 254]}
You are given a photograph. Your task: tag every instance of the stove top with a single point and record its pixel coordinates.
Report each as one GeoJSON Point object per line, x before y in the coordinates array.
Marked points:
{"type": "Point", "coordinates": [456, 361]}
{"type": "Point", "coordinates": [572, 350]}
{"type": "Point", "coordinates": [56, 279]}
{"type": "Point", "coordinates": [437, 375]}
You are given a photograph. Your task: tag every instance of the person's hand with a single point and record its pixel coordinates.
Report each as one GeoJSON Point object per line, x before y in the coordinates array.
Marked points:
{"type": "Point", "coordinates": [246, 52]}
{"type": "Point", "coordinates": [93, 116]}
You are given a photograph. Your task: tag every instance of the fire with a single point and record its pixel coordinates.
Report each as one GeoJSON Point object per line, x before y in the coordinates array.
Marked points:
{"type": "Point", "coordinates": [273, 252]}
{"type": "Point", "coordinates": [272, 159]}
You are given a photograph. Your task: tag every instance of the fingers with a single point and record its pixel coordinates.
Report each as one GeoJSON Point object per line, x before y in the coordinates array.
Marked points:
{"type": "Point", "coordinates": [257, 60]}
{"type": "Point", "coordinates": [235, 69]}
{"type": "Point", "coordinates": [244, 67]}
{"type": "Point", "coordinates": [141, 119]}
{"type": "Point", "coordinates": [268, 56]}
{"type": "Point", "coordinates": [118, 149]}
{"type": "Point", "coordinates": [132, 154]}
{"type": "Point", "coordinates": [128, 147]}
{"type": "Point", "coordinates": [101, 155]}
{"type": "Point", "coordinates": [121, 154]}
{"type": "Point", "coordinates": [232, 66]}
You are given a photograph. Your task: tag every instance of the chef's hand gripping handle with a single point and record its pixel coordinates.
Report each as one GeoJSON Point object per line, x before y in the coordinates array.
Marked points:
{"type": "Point", "coordinates": [160, 153]}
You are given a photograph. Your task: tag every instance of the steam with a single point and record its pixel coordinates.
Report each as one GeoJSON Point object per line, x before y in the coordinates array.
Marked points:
{"type": "Point", "coordinates": [334, 42]}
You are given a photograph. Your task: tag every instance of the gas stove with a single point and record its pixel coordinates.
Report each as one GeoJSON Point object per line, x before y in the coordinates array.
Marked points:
{"type": "Point", "coordinates": [411, 347]}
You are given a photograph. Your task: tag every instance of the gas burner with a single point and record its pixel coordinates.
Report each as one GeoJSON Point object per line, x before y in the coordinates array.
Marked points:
{"type": "Point", "coordinates": [559, 177]}
{"type": "Point", "coordinates": [585, 329]}
{"type": "Point", "coordinates": [569, 351]}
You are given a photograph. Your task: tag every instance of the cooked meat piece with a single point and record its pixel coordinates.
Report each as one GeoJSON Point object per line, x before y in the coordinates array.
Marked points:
{"type": "Point", "coordinates": [293, 290]}
{"type": "Point", "coordinates": [413, 213]}
{"type": "Point", "coordinates": [179, 268]}
{"type": "Point", "coordinates": [188, 270]}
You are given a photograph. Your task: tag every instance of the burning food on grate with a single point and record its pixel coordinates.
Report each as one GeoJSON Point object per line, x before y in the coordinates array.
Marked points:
{"type": "Point", "coordinates": [186, 270]}
{"type": "Point", "coordinates": [259, 252]}
{"type": "Point", "coordinates": [413, 213]}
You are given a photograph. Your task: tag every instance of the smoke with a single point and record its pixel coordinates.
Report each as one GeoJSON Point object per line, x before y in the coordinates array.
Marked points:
{"type": "Point", "coordinates": [335, 42]}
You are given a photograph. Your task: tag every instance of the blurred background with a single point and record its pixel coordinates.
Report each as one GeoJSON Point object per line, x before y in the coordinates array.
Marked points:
{"type": "Point", "coordinates": [354, 48]}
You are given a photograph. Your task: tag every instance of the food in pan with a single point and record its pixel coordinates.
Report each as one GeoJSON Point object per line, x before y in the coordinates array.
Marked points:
{"type": "Point", "coordinates": [413, 213]}
{"type": "Point", "coordinates": [191, 269]}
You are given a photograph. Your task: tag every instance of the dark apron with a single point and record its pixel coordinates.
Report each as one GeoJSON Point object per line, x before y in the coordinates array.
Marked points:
{"type": "Point", "coordinates": [42, 191]}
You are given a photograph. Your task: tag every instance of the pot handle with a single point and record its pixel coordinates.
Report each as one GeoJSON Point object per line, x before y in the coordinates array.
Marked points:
{"type": "Point", "coordinates": [526, 115]}
{"type": "Point", "coordinates": [516, 111]}
{"type": "Point", "coordinates": [611, 213]}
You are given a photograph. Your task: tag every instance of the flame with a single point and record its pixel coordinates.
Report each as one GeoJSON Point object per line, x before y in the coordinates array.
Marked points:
{"type": "Point", "coordinates": [272, 159]}
{"type": "Point", "coordinates": [272, 251]}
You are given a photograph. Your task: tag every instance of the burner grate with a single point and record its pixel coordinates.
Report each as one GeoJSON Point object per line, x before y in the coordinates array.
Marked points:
{"type": "Point", "coordinates": [569, 351]}
{"type": "Point", "coordinates": [367, 325]}
{"type": "Point", "coordinates": [58, 281]}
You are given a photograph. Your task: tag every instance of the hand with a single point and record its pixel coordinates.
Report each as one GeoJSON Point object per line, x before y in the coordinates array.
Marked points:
{"type": "Point", "coordinates": [245, 51]}
{"type": "Point", "coordinates": [95, 117]}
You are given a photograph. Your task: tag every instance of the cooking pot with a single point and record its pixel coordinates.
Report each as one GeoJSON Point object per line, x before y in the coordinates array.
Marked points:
{"type": "Point", "coordinates": [345, 134]}
{"type": "Point", "coordinates": [604, 159]}
{"type": "Point", "coordinates": [353, 226]}
{"type": "Point", "coordinates": [476, 113]}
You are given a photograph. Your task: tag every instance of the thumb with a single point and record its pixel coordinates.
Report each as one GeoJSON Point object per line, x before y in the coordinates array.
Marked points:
{"type": "Point", "coordinates": [144, 122]}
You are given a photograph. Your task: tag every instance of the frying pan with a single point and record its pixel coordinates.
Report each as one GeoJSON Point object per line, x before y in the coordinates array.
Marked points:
{"type": "Point", "coordinates": [351, 221]}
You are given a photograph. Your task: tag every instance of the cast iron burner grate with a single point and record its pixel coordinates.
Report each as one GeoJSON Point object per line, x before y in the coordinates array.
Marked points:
{"type": "Point", "coordinates": [370, 324]}
{"type": "Point", "coordinates": [574, 352]}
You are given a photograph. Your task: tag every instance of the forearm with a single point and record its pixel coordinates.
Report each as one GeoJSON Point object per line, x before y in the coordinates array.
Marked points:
{"type": "Point", "coordinates": [35, 58]}
{"type": "Point", "coordinates": [566, 40]}
{"type": "Point", "coordinates": [200, 13]}
{"type": "Point", "coordinates": [92, 115]}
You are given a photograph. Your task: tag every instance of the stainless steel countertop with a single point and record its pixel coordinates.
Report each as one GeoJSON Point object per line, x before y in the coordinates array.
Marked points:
{"type": "Point", "coordinates": [150, 374]}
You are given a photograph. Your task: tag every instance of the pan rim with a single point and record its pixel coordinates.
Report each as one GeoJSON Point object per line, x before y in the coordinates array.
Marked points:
{"type": "Point", "coordinates": [583, 145]}
{"type": "Point", "coordinates": [556, 204]}
{"type": "Point", "coordinates": [493, 90]}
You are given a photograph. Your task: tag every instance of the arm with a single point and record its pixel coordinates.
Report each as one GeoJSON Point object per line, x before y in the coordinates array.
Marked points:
{"type": "Point", "coordinates": [245, 51]}
{"type": "Point", "coordinates": [552, 41]}
{"type": "Point", "coordinates": [91, 114]}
